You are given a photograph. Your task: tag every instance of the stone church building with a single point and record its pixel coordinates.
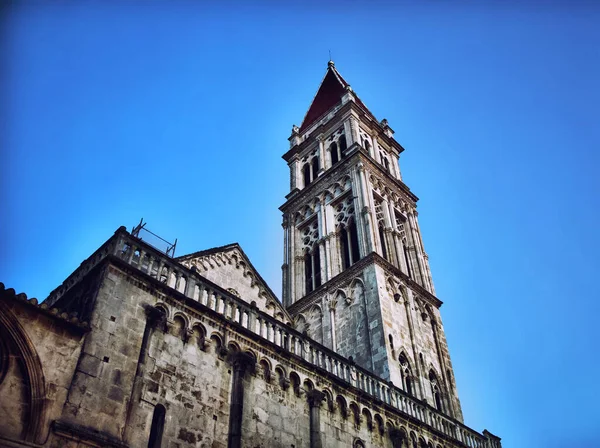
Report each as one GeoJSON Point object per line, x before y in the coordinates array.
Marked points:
{"type": "Point", "coordinates": [138, 348]}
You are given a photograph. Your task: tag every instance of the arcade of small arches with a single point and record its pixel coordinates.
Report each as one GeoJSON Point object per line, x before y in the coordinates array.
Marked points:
{"type": "Point", "coordinates": [288, 379]}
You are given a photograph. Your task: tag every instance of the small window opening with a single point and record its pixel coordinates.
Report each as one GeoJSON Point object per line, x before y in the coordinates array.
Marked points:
{"type": "Point", "coordinates": [158, 424]}
{"type": "Point", "coordinates": [333, 150]}
{"type": "Point", "coordinates": [343, 146]}
{"type": "Point", "coordinates": [315, 168]}
{"type": "Point", "coordinates": [366, 144]}
{"type": "Point", "coordinates": [354, 241]}
{"type": "Point", "coordinates": [306, 174]}
{"type": "Point", "coordinates": [345, 248]}
{"type": "Point", "coordinates": [308, 274]}
{"type": "Point", "coordinates": [317, 263]}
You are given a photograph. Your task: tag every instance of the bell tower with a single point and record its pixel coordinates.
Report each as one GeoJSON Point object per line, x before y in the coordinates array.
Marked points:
{"type": "Point", "coordinates": [356, 277]}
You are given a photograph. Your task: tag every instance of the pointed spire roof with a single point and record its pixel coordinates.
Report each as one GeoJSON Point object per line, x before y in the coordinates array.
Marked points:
{"type": "Point", "coordinates": [330, 93]}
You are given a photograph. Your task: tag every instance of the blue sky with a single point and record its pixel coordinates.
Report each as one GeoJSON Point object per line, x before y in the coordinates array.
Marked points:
{"type": "Point", "coordinates": [179, 113]}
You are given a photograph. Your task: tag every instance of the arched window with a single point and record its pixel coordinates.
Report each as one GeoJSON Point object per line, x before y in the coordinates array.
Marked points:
{"type": "Point", "coordinates": [343, 146]}
{"type": "Point", "coordinates": [317, 266]}
{"type": "Point", "coordinates": [435, 391]}
{"type": "Point", "coordinates": [349, 244]}
{"type": "Point", "coordinates": [308, 275]}
{"type": "Point", "coordinates": [406, 374]}
{"type": "Point", "coordinates": [306, 174]}
{"type": "Point", "coordinates": [367, 145]}
{"type": "Point", "coordinates": [158, 424]}
{"type": "Point", "coordinates": [312, 269]}
{"type": "Point", "coordinates": [345, 246]}
{"type": "Point", "coordinates": [358, 444]}
{"type": "Point", "coordinates": [333, 150]}
{"type": "Point", "coordinates": [354, 241]}
{"type": "Point", "coordinates": [384, 161]}
{"type": "Point", "coordinates": [315, 167]}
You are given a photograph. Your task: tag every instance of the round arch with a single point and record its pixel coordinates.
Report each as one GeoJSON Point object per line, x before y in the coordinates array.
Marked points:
{"type": "Point", "coordinates": [34, 374]}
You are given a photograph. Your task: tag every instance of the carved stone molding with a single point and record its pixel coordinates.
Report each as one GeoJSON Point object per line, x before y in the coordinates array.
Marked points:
{"type": "Point", "coordinates": [314, 398]}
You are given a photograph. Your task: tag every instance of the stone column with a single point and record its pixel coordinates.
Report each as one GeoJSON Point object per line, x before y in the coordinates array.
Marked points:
{"type": "Point", "coordinates": [314, 402]}
{"type": "Point", "coordinates": [322, 168]}
{"type": "Point", "coordinates": [332, 305]}
{"type": "Point", "coordinates": [365, 238]}
{"type": "Point", "coordinates": [240, 362]}
{"type": "Point", "coordinates": [375, 151]}
{"type": "Point", "coordinates": [155, 317]}
{"type": "Point", "coordinates": [353, 131]}
{"type": "Point", "coordinates": [417, 248]}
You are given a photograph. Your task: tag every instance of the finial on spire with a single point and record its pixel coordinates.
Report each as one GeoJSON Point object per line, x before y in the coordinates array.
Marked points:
{"type": "Point", "coordinates": [330, 63]}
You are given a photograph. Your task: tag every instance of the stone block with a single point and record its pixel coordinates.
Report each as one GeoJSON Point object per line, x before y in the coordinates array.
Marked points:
{"type": "Point", "coordinates": [90, 365]}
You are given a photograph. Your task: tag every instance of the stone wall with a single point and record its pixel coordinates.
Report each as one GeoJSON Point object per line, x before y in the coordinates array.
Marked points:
{"type": "Point", "coordinates": [39, 350]}
{"type": "Point", "coordinates": [149, 347]}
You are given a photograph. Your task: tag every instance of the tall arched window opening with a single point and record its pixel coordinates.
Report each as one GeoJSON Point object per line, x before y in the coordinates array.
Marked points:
{"type": "Point", "coordinates": [158, 425]}
{"type": "Point", "coordinates": [367, 145]}
{"type": "Point", "coordinates": [435, 391]}
{"type": "Point", "coordinates": [308, 273]}
{"type": "Point", "coordinates": [384, 161]}
{"type": "Point", "coordinates": [306, 174]}
{"type": "Point", "coordinates": [353, 241]}
{"type": "Point", "coordinates": [315, 168]}
{"type": "Point", "coordinates": [345, 248]}
{"type": "Point", "coordinates": [333, 150]}
{"type": "Point", "coordinates": [406, 374]}
{"type": "Point", "coordinates": [343, 146]}
{"type": "Point", "coordinates": [312, 269]}
{"type": "Point", "coordinates": [317, 267]}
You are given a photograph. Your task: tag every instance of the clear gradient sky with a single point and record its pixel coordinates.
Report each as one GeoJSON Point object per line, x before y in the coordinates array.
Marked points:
{"type": "Point", "coordinates": [179, 113]}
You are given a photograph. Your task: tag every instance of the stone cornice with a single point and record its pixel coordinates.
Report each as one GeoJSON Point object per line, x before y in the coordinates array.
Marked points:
{"type": "Point", "coordinates": [332, 285]}
{"type": "Point", "coordinates": [354, 271]}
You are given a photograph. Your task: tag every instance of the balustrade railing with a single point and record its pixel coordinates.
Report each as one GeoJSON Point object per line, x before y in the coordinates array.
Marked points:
{"type": "Point", "coordinates": [164, 269]}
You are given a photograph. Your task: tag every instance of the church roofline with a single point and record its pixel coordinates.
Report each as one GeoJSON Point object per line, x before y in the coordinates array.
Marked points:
{"type": "Point", "coordinates": [330, 92]}
{"type": "Point", "coordinates": [227, 247]}
{"type": "Point", "coordinates": [212, 250]}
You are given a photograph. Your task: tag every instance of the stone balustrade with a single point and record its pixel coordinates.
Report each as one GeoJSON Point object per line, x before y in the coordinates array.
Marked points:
{"type": "Point", "coordinates": [158, 265]}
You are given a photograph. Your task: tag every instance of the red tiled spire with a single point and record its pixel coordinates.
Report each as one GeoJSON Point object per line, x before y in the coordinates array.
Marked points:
{"type": "Point", "coordinates": [330, 93]}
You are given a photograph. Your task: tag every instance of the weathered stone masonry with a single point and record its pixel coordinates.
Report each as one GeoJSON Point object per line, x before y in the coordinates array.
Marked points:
{"type": "Point", "coordinates": [188, 372]}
